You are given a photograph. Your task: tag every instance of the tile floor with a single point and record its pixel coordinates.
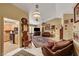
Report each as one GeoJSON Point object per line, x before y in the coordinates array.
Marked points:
{"type": "Point", "coordinates": [32, 50]}
{"type": "Point", "coordinates": [8, 47]}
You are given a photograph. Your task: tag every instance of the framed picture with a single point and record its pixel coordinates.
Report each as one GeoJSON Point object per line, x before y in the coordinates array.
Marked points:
{"type": "Point", "coordinates": [16, 30]}
{"type": "Point", "coordinates": [76, 13]}
{"type": "Point", "coordinates": [53, 27]}
{"type": "Point", "coordinates": [66, 21]}
{"type": "Point", "coordinates": [47, 26]}
{"type": "Point", "coordinates": [65, 25]}
{"type": "Point", "coordinates": [71, 20]}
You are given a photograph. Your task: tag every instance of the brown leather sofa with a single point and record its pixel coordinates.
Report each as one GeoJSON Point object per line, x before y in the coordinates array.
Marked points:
{"type": "Point", "coordinates": [61, 48]}
{"type": "Point", "coordinates": [46, 34]}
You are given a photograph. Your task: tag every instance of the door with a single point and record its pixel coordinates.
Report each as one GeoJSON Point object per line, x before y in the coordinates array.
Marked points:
{"type": "Point", "coordinates": [61, 33]}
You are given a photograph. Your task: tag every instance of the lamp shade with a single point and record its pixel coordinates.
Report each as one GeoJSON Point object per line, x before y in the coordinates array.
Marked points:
{"type": "Point", "coordinates": [36, 15]}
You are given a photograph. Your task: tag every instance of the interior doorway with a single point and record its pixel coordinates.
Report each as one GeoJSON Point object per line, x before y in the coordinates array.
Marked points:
{"type": "Point", "coordinates": [11, 35]}
{"type": "Point", "coordinates": [61, 33]}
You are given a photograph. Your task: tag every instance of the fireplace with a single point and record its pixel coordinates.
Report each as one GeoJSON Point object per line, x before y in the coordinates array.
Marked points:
{"type": "Point", "coordinates": [36, 31]}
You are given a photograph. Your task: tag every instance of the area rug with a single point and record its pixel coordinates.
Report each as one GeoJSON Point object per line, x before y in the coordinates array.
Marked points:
{"type": "Point", "coordinates": [23, 53]}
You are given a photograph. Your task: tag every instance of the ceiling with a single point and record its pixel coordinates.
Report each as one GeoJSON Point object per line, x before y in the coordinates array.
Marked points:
{"type": "Point", "coordinates": [47, 10]}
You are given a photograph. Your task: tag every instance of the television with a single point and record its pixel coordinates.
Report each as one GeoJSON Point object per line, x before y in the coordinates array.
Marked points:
{"type": "Point", "coordinates": [36, 29]}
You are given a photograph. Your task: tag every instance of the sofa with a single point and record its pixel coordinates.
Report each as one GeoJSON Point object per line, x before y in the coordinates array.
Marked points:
{"type": "Point", "coordinates": [46, 34]}
{"type": "Point", "coordinates": [61, 48]}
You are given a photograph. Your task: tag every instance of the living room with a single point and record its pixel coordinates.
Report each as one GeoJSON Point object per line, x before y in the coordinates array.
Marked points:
{"type": "Point", "coordinates": [51, 29]}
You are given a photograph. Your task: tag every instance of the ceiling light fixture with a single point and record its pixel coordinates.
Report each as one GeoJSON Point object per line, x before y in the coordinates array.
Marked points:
{"type": "Point", "coordinates": [36, 13]}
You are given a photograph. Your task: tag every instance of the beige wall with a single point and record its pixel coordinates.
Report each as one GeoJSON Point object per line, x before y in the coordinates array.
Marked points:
{"type": "Point", "coordinates": [12, 12]}
{"type": "Point", "coordinates": [76, 43]}
{"type": "Point", "coordinates": [68, 33]}
{"type": "Point", "coordinates": [1, 36]}
{"type": "Point", "coordinates": [57, 23]}
{"type": "Point", "coordinates": [8, 26]}
{"type": "Point", "coordinates": [31, 28]}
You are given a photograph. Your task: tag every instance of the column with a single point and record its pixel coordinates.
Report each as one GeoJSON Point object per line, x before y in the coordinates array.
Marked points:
{"type": "Point", "coordinates": [1, 36]}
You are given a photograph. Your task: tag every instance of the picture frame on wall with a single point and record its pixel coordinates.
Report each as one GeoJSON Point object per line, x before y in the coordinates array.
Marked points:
{"type": "Point", "coordinates": [47, 26]}
{"type": "Point", "coordinates": [71, 20]}
{"type": "Point", "coordinates": [53, 27]}
{"type": "Point", "coordinates": [66, 21]}
{"type": "Point", "coordinates": [16, 30]}
{"type": "Point", "coordinates": [76, 13]}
